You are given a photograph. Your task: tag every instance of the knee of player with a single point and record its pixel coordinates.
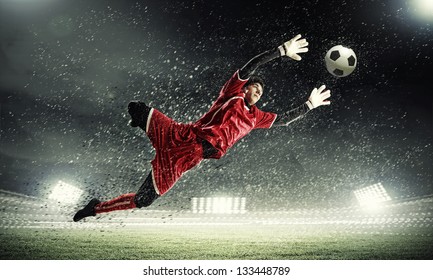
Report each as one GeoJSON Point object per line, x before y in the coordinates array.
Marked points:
{"type": "Point", "coordinates": [142, 201]}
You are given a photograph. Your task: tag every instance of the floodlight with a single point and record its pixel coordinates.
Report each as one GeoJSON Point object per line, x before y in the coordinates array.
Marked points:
{"type": "Point", "coordinates": [372, 197]}
{"type": "Point", "coordinates": [65, 193]}
{"type": "Point", "coordinates": [218, 205]}
{"type": "Point", "coordinates": [423, 9]}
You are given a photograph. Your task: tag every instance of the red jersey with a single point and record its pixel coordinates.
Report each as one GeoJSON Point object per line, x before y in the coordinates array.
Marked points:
{"type": "Point", "coordinates": [229, 119]}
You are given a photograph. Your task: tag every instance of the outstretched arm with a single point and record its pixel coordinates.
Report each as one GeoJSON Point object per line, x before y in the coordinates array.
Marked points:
{"type": "Point", "coordinates": [290, 48]}
{"type": "Point", "coordinates": [317, 98]}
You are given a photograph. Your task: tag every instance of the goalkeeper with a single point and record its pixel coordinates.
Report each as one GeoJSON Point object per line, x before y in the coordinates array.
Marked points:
{"type": "Point", "coordinates": [180, 147]}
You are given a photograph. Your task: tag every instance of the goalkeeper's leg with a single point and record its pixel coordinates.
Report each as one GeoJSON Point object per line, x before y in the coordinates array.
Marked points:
{"type": "Point", "coordinates": [145, 196]}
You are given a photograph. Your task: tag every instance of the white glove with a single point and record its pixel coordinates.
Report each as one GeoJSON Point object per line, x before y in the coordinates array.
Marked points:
{"type": "Point", "coordinates": [318, 97]}
{"type": "Point", "coordinates": [293, 47]}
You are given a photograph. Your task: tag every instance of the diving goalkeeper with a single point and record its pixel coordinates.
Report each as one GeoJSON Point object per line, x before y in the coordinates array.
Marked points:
{"type": "Point", "coordinates": [180, 147]}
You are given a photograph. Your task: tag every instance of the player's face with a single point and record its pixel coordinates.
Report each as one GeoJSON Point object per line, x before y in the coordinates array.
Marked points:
{"type": "Point", "coordinates": [253, 93]}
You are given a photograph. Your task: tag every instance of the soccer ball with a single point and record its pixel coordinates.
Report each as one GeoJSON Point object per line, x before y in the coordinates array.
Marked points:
{"type": "Point", "coordinates": [340, 61]}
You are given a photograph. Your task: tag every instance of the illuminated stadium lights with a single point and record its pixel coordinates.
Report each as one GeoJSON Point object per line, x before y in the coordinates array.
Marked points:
{"type": "Point", "coordinates": [65, 193]}
{"type": "Point", "coordinates": [218, 205]}
{"type": "Point", "coordinates": [372, 197]}
{"type": "Point", "coordinates": [422, 9]}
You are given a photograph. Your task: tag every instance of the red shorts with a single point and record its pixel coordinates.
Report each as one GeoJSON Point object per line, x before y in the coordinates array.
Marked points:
{"type": "Point", "coordinates": [178, 149]}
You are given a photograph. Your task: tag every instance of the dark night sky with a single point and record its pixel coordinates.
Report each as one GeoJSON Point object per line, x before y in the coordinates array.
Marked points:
{"type": "Point", "coordinates": [69, 68]}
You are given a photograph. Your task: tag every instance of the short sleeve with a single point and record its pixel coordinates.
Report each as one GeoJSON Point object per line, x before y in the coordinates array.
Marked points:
{"type": "Point", "coordinates": [233, 86]}
{"type": "Point", "coordinates": [265, 119]}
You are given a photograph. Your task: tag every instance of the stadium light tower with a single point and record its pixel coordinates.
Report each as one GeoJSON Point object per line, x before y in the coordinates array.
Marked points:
{"type": "Point", "coordinates": [65, 193]}
{"type": "Point", "coordinates": [372, 197]}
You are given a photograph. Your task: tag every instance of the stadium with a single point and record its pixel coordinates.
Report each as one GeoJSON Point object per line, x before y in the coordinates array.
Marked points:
{"type": "Point", "coordinates": [219, 228]}
{"type": "Point", "coordinates": [349, 181]}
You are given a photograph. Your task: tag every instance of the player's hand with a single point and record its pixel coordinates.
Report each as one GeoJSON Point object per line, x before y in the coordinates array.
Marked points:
{"type": "Point", "coordinates": [293, 47]}
{"type": "Point", "coordinates": [318, 97]}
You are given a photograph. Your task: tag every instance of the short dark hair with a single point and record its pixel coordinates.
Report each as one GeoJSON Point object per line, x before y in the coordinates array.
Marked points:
{"type": "Point", "coordinates": [255, 80]}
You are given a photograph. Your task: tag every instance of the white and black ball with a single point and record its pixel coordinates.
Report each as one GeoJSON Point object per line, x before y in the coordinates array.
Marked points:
{"type": "Point", "coordinates": [340, 61]}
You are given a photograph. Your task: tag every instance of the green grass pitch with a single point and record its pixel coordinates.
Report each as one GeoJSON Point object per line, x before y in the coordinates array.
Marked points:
{"type": "Point", "coordinates": [181, 242]}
